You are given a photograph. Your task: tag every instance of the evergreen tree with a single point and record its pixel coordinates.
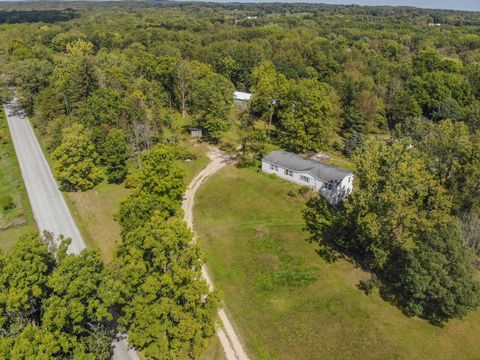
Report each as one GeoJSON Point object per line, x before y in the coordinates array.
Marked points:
{"type": "Point", "coordinates": [355, 121]}
{"type": "Point", "coordinates": [115, 155]}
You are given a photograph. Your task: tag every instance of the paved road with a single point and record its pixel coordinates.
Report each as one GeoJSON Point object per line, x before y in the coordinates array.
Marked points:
{"type": "Point", "coordinates": [226, 333]}
{"type": "Point", "coordinates": [48, 205]}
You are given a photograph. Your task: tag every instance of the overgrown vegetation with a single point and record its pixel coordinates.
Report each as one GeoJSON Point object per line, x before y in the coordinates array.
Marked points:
{"type": "Point", "coordinates": [400, 98]}
{"type": "Point", "coordinates": [167, 308]}
{"type": "Point", "coordinates": [15, 214]}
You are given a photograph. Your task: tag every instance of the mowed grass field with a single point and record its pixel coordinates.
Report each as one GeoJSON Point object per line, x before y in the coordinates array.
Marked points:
{"type": "Point", "coordinates": [290, 304]}
{"type": "Point", "coordinates": [15, 220]}
{"type": "Point", "coordinates": [94, 211]}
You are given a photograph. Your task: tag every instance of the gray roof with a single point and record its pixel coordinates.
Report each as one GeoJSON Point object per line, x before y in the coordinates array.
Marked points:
{"type": "Point", "coordinates": [297, 163]}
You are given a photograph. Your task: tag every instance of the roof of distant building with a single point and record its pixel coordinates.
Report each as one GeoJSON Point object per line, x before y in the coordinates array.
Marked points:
{"type": "Point", "coordinates": [295, 162]}
{"type": "Point", "coordinates": [242, 95]}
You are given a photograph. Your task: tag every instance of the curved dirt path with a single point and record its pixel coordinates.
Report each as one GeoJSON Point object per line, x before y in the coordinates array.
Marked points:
{"type": "Point", "coordinates": [231, 344]}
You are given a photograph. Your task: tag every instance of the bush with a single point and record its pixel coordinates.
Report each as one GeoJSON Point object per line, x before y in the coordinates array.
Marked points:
{"type": "Point", "coordinates": [246, 161]}
{"type": "Point", "coordinates": [7, 203]}
{"type": "Point", "coordinates": [187, 155]}
{"type": "Point", "coordinates": [304, 190]}
{"type": "Point", "coordinates": [366, 286]}
{"type": "Point", "coordinates": [228, 147]}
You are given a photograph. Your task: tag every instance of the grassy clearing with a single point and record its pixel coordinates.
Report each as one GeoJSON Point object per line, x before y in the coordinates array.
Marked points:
{"type": "Point", "coordinates": [16, 217]}
{"type": "Point", "coordinates": [93, 211]}
{"type": "Point", "coordinates": [197, 164]}
{"type": "Point", "coordinates": [290, 304]}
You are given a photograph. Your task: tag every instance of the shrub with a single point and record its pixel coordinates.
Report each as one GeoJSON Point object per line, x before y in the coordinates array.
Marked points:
{"type": "Point", "coordinates": [366, 286]}
{"type": "Point", "coordinates": [228, 147]}
{"type": "Point", "coordinates": [7, 203]}
{"type": "Point", "coordinates": [304, 190]}
{"type": "Point", "coordinates": [244, 161]}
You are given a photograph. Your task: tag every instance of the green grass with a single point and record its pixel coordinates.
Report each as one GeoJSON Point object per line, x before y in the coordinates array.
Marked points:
{"type": "Point", "coordinates": [339, 159]}
{"type": "Point", "coordinates": [18, 220]}
{"type": "Point", "coordinates": [290, 304]}
{"type": "Point", "coordinates": [201, 160]}
{"type": "Point", "coordinates": [93, 211]}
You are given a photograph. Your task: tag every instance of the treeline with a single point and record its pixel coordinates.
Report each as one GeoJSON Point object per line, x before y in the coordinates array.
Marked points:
{"type": "Point", "coordinates": [97, 110]}
{"type": "Point", "coordinates": [59, 305]}
{"type": "Point", "coordinates": [32, 16]}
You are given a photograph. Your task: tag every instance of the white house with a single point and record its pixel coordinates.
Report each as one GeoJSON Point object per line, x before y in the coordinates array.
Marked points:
{"type": "Point", "coordinates": [241, 99]}
{"type": "Point", "coordinates": [334, 183]}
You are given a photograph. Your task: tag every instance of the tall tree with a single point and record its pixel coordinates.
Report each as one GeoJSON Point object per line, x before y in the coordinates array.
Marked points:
{"type": "Point", "coordinates": [438, 279]}
{"type": "Point", "coordinates": [269, 87]}
{"type": "Point", "coordinates": [115, 154]}
{"type": "Point", "coordinates": [53, 305]}
{"type": "Point", "coordinates": [30, 76]}
{"type": "Point", "coordinates": [397, 195]}
{"type": "Point", "coordinates": [170, 312]}
{"type": "Point", "coordinates": [307, 115]}
{"type": "Point", "coordinates": [75, 160]}
{"type": "Point", "coordinates": [185, 74]}
{"type": "Point", "coordinates": [212, 98]}
{"type": "Point", "coordinates": [159, 185]}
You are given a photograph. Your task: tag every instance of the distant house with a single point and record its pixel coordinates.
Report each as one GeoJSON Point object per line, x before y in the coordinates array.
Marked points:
{"type": "Point", "coordinates": [241, 99]}
{"type": "Point", "coordinates": [334, 183]}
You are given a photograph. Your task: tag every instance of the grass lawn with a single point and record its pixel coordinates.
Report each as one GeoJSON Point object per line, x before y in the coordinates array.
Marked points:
{"type": "Point", "coordinates": [93, 211]}
{"type": "Point", "coordinates": [201, 160]}
{"type": "Point", "coordinates": [16, 219]}
{"type": "Point", "coordinates": [290, 304]}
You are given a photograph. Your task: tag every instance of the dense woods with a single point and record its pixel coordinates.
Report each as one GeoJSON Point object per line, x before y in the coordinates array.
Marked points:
{"type": "Point", "coordinates": [111, 88]}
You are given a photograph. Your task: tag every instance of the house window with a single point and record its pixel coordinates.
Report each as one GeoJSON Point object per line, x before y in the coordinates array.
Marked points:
{"type": "Point", "coordinates": [305, 178]}
{"type": "Point", "coordinates": [272, 167]}
{"type": "Point", "coordinates": [288, 172]}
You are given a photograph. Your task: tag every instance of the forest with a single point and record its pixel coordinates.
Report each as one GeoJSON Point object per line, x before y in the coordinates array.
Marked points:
{"type": "Point", "coordinates": [111, 87]}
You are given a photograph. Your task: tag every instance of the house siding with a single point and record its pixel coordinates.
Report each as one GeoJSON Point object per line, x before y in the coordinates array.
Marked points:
{"type": "Point", "coordinates": [334, 196]}
{"type": "Point", "coordinates": [296, 177]}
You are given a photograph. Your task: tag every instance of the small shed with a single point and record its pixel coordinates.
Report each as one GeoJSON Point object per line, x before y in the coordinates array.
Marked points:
{"type": "Point", "coordinates": [241, 99]}
{"type": "Point", "coordinates": [196, 132]}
